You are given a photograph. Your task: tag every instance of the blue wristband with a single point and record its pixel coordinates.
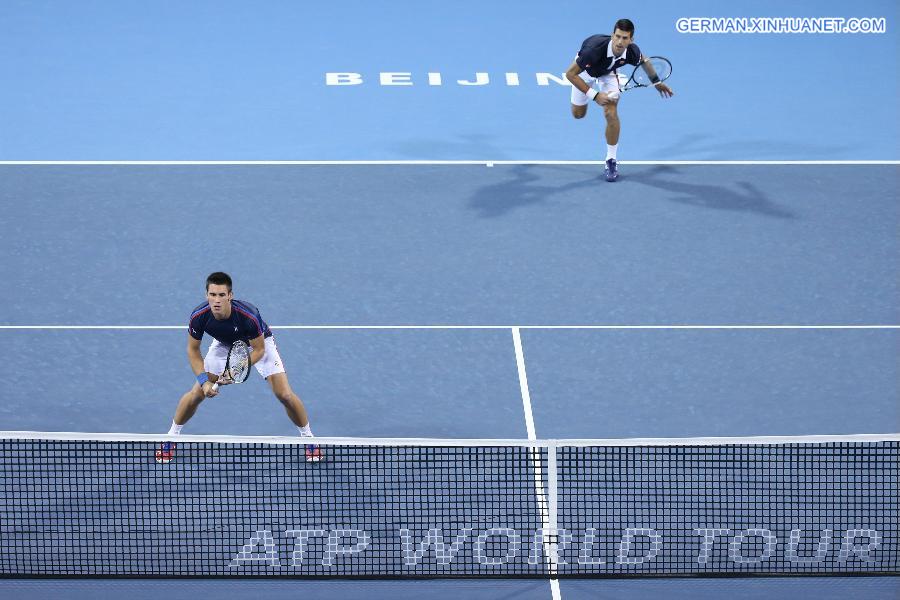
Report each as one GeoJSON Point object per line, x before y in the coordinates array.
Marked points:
{"type": "Point", "coordinates": [202, 378]}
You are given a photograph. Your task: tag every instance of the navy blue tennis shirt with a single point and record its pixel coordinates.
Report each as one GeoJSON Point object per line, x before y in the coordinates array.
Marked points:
{"type": "Point", "coordinates": [245, 323]}
{"type": "Point", "coordinates": [596, 57]}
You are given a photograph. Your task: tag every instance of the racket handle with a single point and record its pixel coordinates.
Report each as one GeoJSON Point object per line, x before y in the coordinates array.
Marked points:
{"type": "Point", "coordinates": [215, 387]}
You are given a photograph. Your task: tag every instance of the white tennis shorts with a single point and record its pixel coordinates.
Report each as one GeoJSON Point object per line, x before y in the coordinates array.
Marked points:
{"type": "Point", "coordinates": [269, 364]}
{"type": "Point", "coordinates": [605, 83]}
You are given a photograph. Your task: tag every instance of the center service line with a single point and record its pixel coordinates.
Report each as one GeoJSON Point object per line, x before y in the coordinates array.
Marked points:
{"type": "Point", "coordinates": [547, 521]}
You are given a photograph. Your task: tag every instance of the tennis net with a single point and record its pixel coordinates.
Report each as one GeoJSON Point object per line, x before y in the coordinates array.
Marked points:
{"type": "Point", "coordinates": [100, 506]}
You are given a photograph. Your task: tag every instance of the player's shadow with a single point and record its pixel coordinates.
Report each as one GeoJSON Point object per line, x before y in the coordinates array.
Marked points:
{"type": "Point", "coordinates": [747, 197]}
{"type": "Point", "coordinates": [498, 199]}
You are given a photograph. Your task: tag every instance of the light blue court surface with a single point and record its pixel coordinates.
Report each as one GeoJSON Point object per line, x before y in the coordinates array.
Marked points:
{"type": "Point", "coordinates": [444, 246]}
{"type": "Point", "coordinates": [230, 80]}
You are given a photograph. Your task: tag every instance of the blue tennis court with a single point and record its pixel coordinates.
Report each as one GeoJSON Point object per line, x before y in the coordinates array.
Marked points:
{"type": "Point", "coordinates": [418, 248]}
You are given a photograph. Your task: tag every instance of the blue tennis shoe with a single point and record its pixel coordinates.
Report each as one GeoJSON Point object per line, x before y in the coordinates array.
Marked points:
{"type": "Point", "coordinates": [612, 170]}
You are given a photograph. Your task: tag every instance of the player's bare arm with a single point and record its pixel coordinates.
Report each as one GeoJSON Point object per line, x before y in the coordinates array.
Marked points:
{"type": "Point", "coordinates": [572, 74]}
{"type": "Point", "coordinates": [196, 360]}
{"type": "Point", "coordinates": [259, 349]}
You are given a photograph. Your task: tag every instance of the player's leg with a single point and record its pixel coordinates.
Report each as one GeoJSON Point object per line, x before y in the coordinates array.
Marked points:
{"type": "Point", "coordinates": [187, 406]}
{"type": "Point", "coordinates": [271, 368]}
{"type": "Point", "coordinates": [294, 407]}
{"type": "Point", "coordinates": [214, 362]}
{"type": "Point", "coordinates": [613, 126]}
{"type": "Point", "coordinates": [295, 411]}
{"type": "Point", "coordinates": [609, 85]}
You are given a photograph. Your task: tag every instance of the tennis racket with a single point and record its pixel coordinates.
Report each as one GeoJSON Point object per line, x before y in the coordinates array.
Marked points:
{"type": "Point", "coordinates": [237, 365]}
{"type": "Point", "coordinates": [643, 73]}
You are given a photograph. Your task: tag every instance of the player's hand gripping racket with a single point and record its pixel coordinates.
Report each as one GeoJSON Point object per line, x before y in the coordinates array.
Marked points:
{"type": "Point", "coordinates": [237, 365]}
{"type": "Point", "coordinates": [649, 72]}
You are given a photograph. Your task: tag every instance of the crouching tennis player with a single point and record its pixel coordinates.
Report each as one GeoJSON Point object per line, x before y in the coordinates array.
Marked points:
{"type": "Point", "coordinates": [227, 320]}
{"type": "Point", "coordinates": [594, 77]}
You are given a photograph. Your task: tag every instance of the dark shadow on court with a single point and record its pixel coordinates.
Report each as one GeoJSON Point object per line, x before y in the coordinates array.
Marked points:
{"type": "Point", "coordinates": [747, 197]}
{"type": "Point", "coordinates": [524, 190]}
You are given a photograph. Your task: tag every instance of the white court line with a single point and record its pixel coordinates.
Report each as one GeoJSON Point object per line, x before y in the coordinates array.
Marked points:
{"type": "Point", "coordinates": [548, 509]}
{"type": "Point", "coordinates": [461, 327]}
{"type": "Point", "coordinates": [485, 162]}
{"type": "Point", "coordinates": [443, 442]}
{"type": "Point", "coordinates": [523, 384]}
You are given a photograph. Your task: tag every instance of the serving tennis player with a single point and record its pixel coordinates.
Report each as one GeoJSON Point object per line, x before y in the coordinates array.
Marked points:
{"type": "Point", "coordinates": [594, 77]}
{"type": "Point", "coordinates": [227, 320]}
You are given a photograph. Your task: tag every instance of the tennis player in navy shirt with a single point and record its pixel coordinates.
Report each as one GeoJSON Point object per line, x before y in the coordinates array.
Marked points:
{"type": "Point", "coordinates": [227, 320]}
{"type": "Point", "coordinates": [594, 77]}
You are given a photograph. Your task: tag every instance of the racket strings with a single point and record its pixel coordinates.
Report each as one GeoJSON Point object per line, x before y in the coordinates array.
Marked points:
{"type": "Point", "coordinates": [239, 362]}
{"type": "Point", "coordinates": [661, 67]}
